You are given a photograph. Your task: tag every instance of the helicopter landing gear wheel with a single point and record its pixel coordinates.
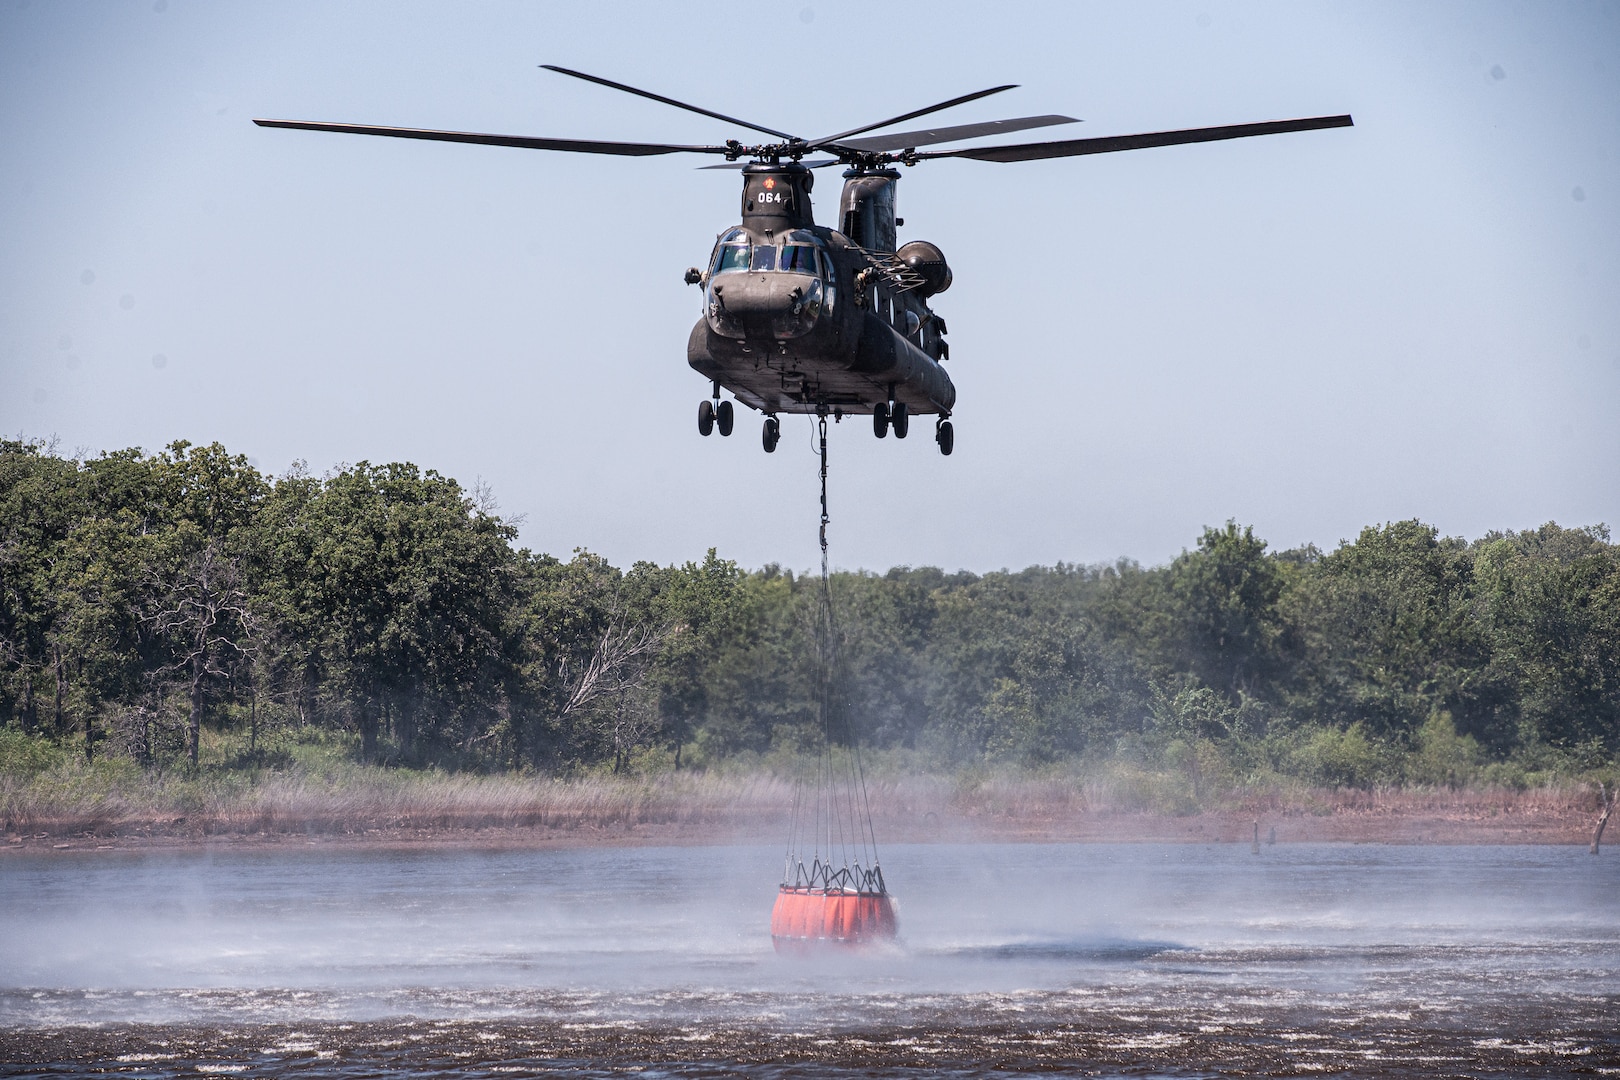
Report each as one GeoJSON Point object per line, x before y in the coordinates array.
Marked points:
{"type": "Point", "coordinates": [772, 434]}
{"type": "Point", "coordinates": [899, 419]}
{"type": "Point", "coordinates": [945, 435]}
{"type": "Point", "coordinates": [723, 418]}
{"type": "Point", "coordinates": [880, 420]}
{"type": "Point", "coordinates": [705, 417]}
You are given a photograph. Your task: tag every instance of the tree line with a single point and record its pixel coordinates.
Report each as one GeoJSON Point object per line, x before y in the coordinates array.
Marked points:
{"type": "Point", "coordinates": [146, 599]}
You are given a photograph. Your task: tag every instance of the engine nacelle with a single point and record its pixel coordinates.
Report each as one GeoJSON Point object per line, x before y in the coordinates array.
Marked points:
{"type": "Point", "coordinates": [929, 261]}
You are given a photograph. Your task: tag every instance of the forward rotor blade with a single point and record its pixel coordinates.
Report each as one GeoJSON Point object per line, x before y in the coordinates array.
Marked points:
{"type": "Point", "coordinates": [963, 100]}
{"type": "Point", "coordinates": [578, 146]}
{"type": "Point", "coordinates": [905, 140]}
{"type": "Point", "coordinates": [666, 100]}
{"type": "Point", "coordinates": [1110, 143]}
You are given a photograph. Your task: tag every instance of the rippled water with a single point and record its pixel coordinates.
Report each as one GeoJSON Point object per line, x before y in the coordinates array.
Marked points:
{"type": "Point", "coordinates": [1105, 959]}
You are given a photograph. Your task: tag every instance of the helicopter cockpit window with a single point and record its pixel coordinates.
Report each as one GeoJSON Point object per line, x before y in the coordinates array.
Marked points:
{"type": "Point", "coordinates": [731, 257]}
{"type": "Point", "coordinates": [799, 259]}
{"type": "Point", "coordinates": [764, 257]}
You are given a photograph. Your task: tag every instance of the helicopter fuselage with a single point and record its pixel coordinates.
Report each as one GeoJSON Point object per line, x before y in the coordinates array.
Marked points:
{"type": "Point", "coordinates": [801, 318]}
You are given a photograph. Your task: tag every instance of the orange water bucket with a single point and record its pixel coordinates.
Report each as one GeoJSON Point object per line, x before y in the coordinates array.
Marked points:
{"type": "Point", "coordinates": [806, 918]}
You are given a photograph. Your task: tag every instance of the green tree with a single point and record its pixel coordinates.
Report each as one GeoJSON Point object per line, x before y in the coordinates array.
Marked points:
{"type": "Point", "coordinates": [759, 688]}
{"type": "Point", "coordinates": [405, 583]}
{"type": "Point", "coordinates": [40, 502]}
{"type": "Point", "coordinates": [1223, 600]}
{"type": "Point", "coordinates": [699, 599]}
{"type": "Point", "coordinates": [1549, 601]}
{"type": "Point", "coordinates": [1388, 635]}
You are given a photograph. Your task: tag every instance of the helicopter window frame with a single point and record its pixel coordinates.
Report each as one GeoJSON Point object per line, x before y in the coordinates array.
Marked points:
{"type": "Point", "coordinates": [727, 260]}
{"type": "Point", "coordinates": [764, 259]}
{"type": "Point", "coordinates": [800, 252]}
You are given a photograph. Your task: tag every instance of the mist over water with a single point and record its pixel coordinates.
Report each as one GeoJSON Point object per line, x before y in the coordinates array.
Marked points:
{"type": "Point", "coordinates": [1151, 959]}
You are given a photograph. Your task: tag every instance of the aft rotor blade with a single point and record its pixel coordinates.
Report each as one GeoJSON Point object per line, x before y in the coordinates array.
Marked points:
{"type": "Point", "coordinates": [1110, 143]}
{"type": "Point", "coordinates": [578, 146]}
{"type": "Point", "coordinates": [963, 100]}
{"type": "Point", "coordinates": [666, 100]}
{"type": "Point", "coordinates": [905, 140]}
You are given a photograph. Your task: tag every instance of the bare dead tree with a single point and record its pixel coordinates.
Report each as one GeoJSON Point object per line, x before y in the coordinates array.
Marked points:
{"type": "Point", "coordinates": [205, 612]}
{"type": "Point", "coordinates": [610, 683]}
{"type": "Point", "coordinates": [1606, 801]}
{"type": "Point", "coordinates": [618, 663]}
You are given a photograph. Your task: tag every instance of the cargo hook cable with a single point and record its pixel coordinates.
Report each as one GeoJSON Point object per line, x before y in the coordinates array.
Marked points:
{"type": "Point", "coordinates": [826, 788]}
{"type": "Point", "coordinates": [835, 810]}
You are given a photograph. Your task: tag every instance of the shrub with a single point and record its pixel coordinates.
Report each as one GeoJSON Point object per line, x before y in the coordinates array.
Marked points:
{"type": "Point", "coordinates": [1347, 758]}
{"type": "Point", "coordinates": [1443, 758]}
{"type": "Point", "coordinates": [23, 755]}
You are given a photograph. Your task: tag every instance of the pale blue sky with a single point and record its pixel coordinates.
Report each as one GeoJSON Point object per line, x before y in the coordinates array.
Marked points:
{"type": "Point", "coordinates": [1413, 317]}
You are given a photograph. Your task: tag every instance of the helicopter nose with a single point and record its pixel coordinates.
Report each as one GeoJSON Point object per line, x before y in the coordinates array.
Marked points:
{"type": "Point", "coordinates": [751, 296]}
{"type": "Point", "coordinates": [764, 305]}
{"type": "Point", "coordinates": [765, 296]}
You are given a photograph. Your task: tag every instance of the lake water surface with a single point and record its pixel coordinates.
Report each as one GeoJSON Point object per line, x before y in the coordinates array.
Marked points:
{"type": "Point", "coordinates": [1141, 960]}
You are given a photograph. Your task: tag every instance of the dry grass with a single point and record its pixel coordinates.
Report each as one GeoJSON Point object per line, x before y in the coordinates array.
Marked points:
{"type": "Point", "coordinates": [1128, 790]}
{"type": "Point", "coordinates": [368, 800]}
{"type": "Point", "coordinates": [115, 799]}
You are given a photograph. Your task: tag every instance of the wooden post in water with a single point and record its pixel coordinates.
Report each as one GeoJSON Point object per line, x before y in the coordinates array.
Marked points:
{"type": "Point", "coordinates": [1254, 848]}
{"type": "Point", "coordinates": [1606, 799]}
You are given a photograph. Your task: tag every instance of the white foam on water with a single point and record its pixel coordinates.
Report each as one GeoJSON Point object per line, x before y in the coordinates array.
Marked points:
{"type": "Point", "coordinates": [1155, 1041]}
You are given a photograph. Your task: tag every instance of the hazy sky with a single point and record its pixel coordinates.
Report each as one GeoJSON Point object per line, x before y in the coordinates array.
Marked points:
{"type": "Point", "coordinates": [1416, 316]}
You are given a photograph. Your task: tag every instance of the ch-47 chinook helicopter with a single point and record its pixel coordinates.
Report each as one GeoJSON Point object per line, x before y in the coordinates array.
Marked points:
{"type": "Point", "coordinates": [804, 318]}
